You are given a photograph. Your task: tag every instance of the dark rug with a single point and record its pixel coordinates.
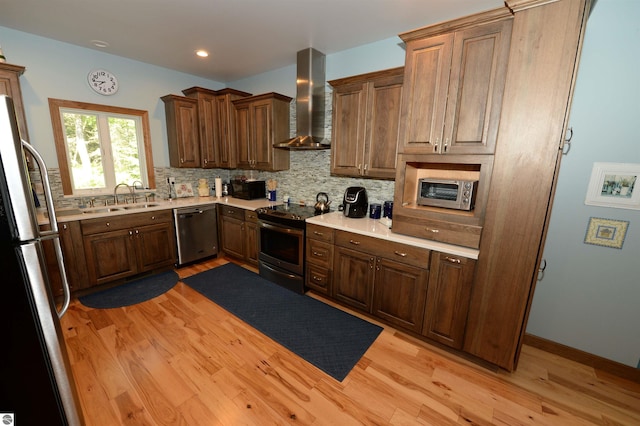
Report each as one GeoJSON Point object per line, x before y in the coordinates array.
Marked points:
{"type": "Point", "coordinates": [131, 293]}
{"type": "Point", "coordinates": [327, 337]}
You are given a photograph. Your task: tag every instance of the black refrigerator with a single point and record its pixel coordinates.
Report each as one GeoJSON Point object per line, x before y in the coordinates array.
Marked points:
{"type": "Point", "coordinates": [36, 387]}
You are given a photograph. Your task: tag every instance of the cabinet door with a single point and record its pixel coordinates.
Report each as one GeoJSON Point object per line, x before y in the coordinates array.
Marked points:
{"type": "Point", "coordinates": [476, 86]}
{"type": "Point", "coordinates": [353, 278]}
{"type": "Point", "coordinates": [244, 151]}
{"type": "Point", "coordinates": [399, 293]}
{"type": "Point", "coordinates": [232, 236]}
{"type": "Point", "coordinates": [348, 129]}
{"type": "Point", "coordinates": [155, 246]}
{"type": "Point", "coordinates": [251, 237]}
{"type": "Point", "coordinates": [110, 256]}
{"type": "Point", "coordinates": [426, 81]}
{"type": "Point", "coordinates": [225, 131]}
{"type": "Point", "coordinates": [182, 131]}
{"type": "Point", "coordinates": [10, 86]}
{"type": "Point", "coordinates": [261, 134]}
{"type": "Point", "coordinates": [448, 298]}
{"type": "Point", "coordinates": [206, 120]}
{"type": "Point", "coordinates": [383, 122]}
{"type": "Point", "coordinates": [74, 256]}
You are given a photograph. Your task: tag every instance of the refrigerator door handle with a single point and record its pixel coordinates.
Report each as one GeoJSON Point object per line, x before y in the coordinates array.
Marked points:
{"type": "Point", "coordinates": [53, 233]}
{"type": "Point", "coordinates": [47, 189]}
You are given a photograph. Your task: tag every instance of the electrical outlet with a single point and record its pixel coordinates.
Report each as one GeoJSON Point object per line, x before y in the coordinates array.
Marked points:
{"type": "Point", "coordinates": [171, 180]}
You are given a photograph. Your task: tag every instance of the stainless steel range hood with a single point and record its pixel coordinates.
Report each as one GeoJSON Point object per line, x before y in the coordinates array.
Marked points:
{"type": "Point", "coordinates": [310, 103]}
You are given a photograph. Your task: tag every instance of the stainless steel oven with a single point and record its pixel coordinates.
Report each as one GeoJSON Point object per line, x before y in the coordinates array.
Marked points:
{"type": "Point", "coordinates": [281, 243]}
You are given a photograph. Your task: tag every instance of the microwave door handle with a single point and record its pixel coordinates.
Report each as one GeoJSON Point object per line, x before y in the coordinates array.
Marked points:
{"type": "Point", "coordinates": [47, 189]}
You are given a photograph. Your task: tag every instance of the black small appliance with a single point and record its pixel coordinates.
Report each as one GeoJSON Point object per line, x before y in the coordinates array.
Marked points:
{"type": "Point", "coordinates": [248, 189]}
{"type": "Point", "coordinates": [355, 203]}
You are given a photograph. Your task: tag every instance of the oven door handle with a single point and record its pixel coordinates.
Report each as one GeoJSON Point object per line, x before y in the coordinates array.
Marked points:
{"type": "Point", "coordinates": [277, 228]}
{"type": "Point", "coordinates": [279, 271]}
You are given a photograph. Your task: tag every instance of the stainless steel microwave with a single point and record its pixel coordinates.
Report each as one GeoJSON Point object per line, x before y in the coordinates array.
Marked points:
{"type": "Point", "coordinates": [450, 194]}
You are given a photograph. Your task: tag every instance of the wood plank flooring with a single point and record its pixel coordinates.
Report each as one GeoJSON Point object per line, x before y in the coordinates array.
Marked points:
{"type": "Point", "coordinates": [179, 359]}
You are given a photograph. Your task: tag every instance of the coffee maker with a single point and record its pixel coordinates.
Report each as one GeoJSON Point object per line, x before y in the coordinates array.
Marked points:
{"type": "Point", "coordinates": [355, 202]}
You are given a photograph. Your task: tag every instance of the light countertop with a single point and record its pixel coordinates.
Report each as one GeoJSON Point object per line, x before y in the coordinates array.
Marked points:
{"type": "Point", "coordinates": [379, 228]}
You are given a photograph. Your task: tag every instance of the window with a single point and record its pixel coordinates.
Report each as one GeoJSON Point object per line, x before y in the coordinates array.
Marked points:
{"type": "Point", "coordinates": [99, 146]}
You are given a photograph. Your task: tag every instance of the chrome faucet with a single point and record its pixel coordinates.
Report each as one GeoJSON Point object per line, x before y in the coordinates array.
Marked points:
{"type": "Point", "coordinates": [115, 191]}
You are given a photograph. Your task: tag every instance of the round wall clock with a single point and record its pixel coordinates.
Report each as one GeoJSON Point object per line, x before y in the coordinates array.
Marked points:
{"type": "Point", "coordinates": [103, 82]}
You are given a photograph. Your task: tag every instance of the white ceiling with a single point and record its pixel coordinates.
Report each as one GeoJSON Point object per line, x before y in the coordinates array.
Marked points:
{"type": "Point", "coordinates": [244, 37]}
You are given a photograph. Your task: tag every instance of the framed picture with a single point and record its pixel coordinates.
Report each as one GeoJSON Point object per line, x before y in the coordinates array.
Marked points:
{"type": "Point", "coordinates": [614, 185]}
{"type": "Point", "coordinates": [606, 232]}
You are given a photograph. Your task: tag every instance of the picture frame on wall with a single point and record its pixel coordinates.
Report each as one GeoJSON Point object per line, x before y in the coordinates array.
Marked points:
{"type": "Point", "coordinates": [606, 232]}
{"type": "Point", "coordinates": [614, 185]}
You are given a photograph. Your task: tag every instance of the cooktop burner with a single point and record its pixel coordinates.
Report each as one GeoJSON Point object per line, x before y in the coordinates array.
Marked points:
{"type": "Point", "coordinates": [286, 214]}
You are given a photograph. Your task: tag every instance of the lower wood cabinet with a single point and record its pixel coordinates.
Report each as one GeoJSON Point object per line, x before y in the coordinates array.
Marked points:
{"type": "Point", "coordinates": [239, 233]}
{"type": "Point", "coordinates": [448, 298]}
{"type": "Point", "coordinates": [122, 246]}
{"type": "Point", "coordinates": [399, 293]}
{"type": "Point", "coordinates": [319, 259]}
{"type": "Point", "coordinates": [353, 274]}
{"type": "Point", "coordinates": [70, 234]}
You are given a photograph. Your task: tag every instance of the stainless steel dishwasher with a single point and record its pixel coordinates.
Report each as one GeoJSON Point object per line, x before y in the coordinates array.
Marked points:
{"type": "Point", "coordinates": [196, 233]}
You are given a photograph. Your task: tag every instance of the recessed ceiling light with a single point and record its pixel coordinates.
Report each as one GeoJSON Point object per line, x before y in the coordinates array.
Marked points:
{"type": "Point", "coordinates": [202, 53]}
{"type": "Point", "coordinates": [99, 43]}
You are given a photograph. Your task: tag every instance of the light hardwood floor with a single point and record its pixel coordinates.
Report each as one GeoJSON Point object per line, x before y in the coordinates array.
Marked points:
{"type": "Point", "coordinates": [179, 359]}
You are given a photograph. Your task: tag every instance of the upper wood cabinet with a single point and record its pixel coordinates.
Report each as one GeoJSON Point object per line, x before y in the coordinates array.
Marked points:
{"type": "Point", "coordinates": [206, 111]}
{"type": "Point", "coordinates": [225, 127]}
{"type": "Point", "coordinates": [183, 132]}
{"type": "Point", "coordinates": [261, 121]}
{"type": "Point", "coordinates": [10, 86]}
{"type": "Point", "coordinates": [454, 84]}
{"type": "Point", "coordinates": [366, 119]}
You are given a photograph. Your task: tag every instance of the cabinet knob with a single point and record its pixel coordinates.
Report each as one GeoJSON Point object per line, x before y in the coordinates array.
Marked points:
{"type": "Point", "coordinates": [108, 224]}
{"type": "Point", "coordinates": [64, 226]}
{"type": "Point", "coordinates": [153, 217]}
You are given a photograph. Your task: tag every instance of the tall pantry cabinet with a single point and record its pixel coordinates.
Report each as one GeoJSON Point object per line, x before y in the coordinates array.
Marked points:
{"type": "Point", "coordinates": [517, 65]}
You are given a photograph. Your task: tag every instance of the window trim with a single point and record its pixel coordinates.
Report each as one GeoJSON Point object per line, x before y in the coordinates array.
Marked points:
{"type": "Point", "coordinates": [55, 105]}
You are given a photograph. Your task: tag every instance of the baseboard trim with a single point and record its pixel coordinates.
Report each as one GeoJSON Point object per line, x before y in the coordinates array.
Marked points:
{"type": "Point", "coordinates": [594, 361]}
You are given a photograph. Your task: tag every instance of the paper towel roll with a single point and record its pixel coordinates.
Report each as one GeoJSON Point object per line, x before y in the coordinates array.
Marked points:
{"type": "Point", "coordinates": [218, 184]}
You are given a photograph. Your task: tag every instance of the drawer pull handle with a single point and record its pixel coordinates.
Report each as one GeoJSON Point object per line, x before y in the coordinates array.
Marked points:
{"type": "Point", "coordinates": [315, 253]}
{"type": "Point", "coordinates": [452, 259]}
{"type": "Point", "coordinates": [400, 254]}
{"type": "Point", "coordinates": [318, 233]}
{"type": "Point", "coordinates": [318, 279]}
{"type": "Point", "coordinates": [435, 231]}
{"type": "Point", "coordinates": [356, 243]}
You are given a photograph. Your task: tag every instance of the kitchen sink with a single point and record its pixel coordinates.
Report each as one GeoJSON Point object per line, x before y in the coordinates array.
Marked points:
{"type": "Point", "coordinates": [140, 206]}
{"type": "Point", "coordinates": [102, 210]}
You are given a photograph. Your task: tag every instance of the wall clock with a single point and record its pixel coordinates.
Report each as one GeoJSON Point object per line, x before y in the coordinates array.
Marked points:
{"type": "Point", "coordinates": [103, 82]}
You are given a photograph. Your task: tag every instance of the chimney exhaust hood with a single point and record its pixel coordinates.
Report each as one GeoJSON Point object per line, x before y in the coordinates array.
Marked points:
{"type": "Point", "coordinates": [310, 103]}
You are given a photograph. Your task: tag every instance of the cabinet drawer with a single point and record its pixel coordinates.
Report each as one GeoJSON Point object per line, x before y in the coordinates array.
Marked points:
{"type": "Point", "coordinates": [234, 212]}
{"type": "Point", "coordinates": [319, 253]}
{"type": "Point", "coordinates": [318, 279]}
{"type": "Point", "coordinates": [320, 233]}
{"type": "Point", "coordinates": [114, 223]}
{"type": "Point", "coordinates": [404, 253]}
{"type": "Point", "coordinates": [436, 230]}
{"type": "Point", "coordinates": [250, 216]}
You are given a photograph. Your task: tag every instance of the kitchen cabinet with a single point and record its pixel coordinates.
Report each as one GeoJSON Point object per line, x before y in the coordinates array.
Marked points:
{"type": "Point", "coordinates": [448, 294]}
{"type": "Point", "coordinates": [183, 133]}
{"type": "Point", "coordinates": [319, 259]}
{"type": "Point", "coordinates": [454, 84]}
{"type": "Point", "coordinates": [261, 121]}
{"type": "Point", "coordinates": [545, 48]}
{"type": "Point", "coordinates": [225, 127]}
{"type": "Point", "coordinates": [387, 279]}
{"type": "Point", "coordinates": [121, 246]}
{"type": "Point", "coordinates": [366, 119]}
{"type": "Point", "coordinates": [206, 113]}
{"type": "Point", "coordinates": [70, 235]}
{"type": "Point", "coordinates": [251, 236]}
{"type": "Point", "coordinates": [239, 233]}
{"type": "Point", "coordinates": [10, 86]}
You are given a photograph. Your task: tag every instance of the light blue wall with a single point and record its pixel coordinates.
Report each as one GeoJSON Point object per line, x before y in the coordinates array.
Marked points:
{"type": "Point", "coordinates": [589, 297]}
{"type": "Point", "coordinates": [59, 70]}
